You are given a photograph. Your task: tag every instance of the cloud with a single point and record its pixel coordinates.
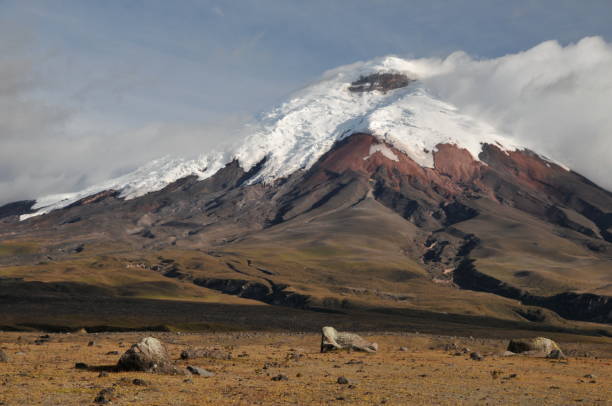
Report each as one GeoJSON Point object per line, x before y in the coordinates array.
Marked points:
{"type": "Point", "coordinates": [553, 99]}
{"type": "Point", "coordinates": [48, 148]}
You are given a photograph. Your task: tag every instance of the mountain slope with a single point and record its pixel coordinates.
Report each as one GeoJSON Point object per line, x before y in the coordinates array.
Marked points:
{"type": "Point", "coordinates": [362, 193]}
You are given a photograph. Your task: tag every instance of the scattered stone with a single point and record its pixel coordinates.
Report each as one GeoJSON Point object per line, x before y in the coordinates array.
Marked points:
{"type": "Point", "coordinates": [149, 355]}
{"type": "Point", "coordinates": [280, 377]}
{"type": "Point", "coordinates": [212, 353]}
{"type": "Point", "coordinates": [294, 356]}
{"type": "Point", "coordinates": [343, 381]}
{"type": "Point", "coordinates": [81, 365]}
{"type": "Point", "coordinates": [269, 364]}
{"type": "Point", "coordinates": [476, 356]}
{"type": "Point", "coordinates": [331, 340]}
{"type": "Point", "coordinates": [354, 362]}
{"type": "Point", "coordinates": [104, 396]}
{"type": "Point", "coordinates": [555, 354]}
{"type": "Point", "coordinates": [200, 371]}
{"type": "Point", "coordinates": [3, 357]}
{"type": "Point", "coordinates": [140, 382]}
{"type": "Point", "coordinates": [534, 346]}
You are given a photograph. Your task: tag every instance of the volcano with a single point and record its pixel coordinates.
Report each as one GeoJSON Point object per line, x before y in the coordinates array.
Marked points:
{"type": "Point", "coordinates": [364, 197]}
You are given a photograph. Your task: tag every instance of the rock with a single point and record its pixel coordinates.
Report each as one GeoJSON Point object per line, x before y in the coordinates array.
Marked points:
{"type": "Point", "coordinates": [104, 396]}
{"type": "Point", "coordinates": [149, 355]}
{"type": "Point", "coordinates": [342, 381]}
{"type": "Point", "coordinates": [555, 354]}
{"type": "Point", "coordinates": [112, 353]}
{"type": "Point", "coordinates": [403, 349]}
{"type": "Point", "coordinates": [294, 356]}
{"type": "Point", "coordinates": [331, 340]}
{"type": "Point", "coordinates": [102, 374]}
{"type": "Point", "coordinates": [212, 353]}
{"type": "Point", "coordinates": [280, 377]}
{"type": "Point", "coordinates": [81, 365]}
{"type": "Point", "coordinates": [3, 357]}
{"type": "Point", "coordinates": [91, 343]}
{"type": "Point", "coordinates": [590, 376]}
{"type": "Point", "coordinates": [139, 382]}
{"type": "Point", "coordinates": [200, 371]}
{"type": "Point", "coordinates": [536, 346]}
{"type": "Point", "coordinates": [476, 356]}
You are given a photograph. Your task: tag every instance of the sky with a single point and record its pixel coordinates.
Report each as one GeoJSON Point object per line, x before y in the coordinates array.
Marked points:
{"type": "Point", "coordinates": [90, 90]}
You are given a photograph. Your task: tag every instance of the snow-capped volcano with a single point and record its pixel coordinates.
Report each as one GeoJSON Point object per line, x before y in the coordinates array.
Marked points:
{"type": "Point", "coordinates": [363, 176]}
{"type": "Point", "coordinates": [297, 133]}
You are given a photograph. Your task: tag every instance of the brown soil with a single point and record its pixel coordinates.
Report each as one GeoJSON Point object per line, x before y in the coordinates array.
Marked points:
{"type": "Point", "coordinates": [427, 372]}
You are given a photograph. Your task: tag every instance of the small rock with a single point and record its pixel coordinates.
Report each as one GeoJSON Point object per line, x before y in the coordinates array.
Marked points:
{"type": "Point", "coordinates": [590, 376]}
{"type": "Point", "coordinates": [3, 357]}
{"type": "Point", "coordinates": [112, 353]}
{"type": "Point", "coordinates": [140, 382]}
{"type": "Point", "coordinates": [200, 371]}
{"type": "Point", "coordinates": [104, 396]}
{"type": "Point", "coordinates": [476, 356]}
{"type": "Point", "coordinates": [555, 354]}
{"type": "Point", "coordinates": [81, 365]}
{"type": "Point", "coordinates": [404, 349]}
{"type": "Point", "coordinates": [91, 343]}
{"type": "Point", "coordinates": [298, 375]}
{"type": "Point", "coordinates": [103, 374]}
{"type": "Point", "coordinates": [343, 381]}
{"type": "Point", "coordinates": [280, 377]}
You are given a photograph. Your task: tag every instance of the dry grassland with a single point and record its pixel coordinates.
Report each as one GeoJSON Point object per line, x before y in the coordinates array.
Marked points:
{"type": "Point", "coordinates": [426, 372]}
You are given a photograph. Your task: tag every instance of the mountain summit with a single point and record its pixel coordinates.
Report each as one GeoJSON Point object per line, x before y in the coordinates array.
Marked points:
{"type": "Point", "coordinates": [384, 98]}
{"type": "Point", "coordinates": [364, 192]}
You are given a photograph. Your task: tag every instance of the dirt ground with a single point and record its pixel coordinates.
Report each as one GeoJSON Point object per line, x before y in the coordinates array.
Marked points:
{"type": "Point", "coordinates": [430, 370]}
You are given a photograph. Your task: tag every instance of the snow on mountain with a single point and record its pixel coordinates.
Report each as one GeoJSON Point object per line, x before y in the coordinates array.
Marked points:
{"type": "Point", "coordinates": [297, 133]}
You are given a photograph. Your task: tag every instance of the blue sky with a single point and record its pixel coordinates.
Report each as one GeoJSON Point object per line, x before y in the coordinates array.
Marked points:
{"type": "Point", "coordinates": [122, 72]}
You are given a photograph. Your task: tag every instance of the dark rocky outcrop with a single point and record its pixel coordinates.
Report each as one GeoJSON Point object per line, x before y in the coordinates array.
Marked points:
{"type": "Point", "coordinates": [383, 82]}
{"type": "Point", "coordinates": [17, 208]}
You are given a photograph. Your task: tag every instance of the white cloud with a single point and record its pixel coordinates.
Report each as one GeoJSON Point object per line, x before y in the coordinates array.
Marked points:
{"type": "Point", "coordinates": [554, 99]}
